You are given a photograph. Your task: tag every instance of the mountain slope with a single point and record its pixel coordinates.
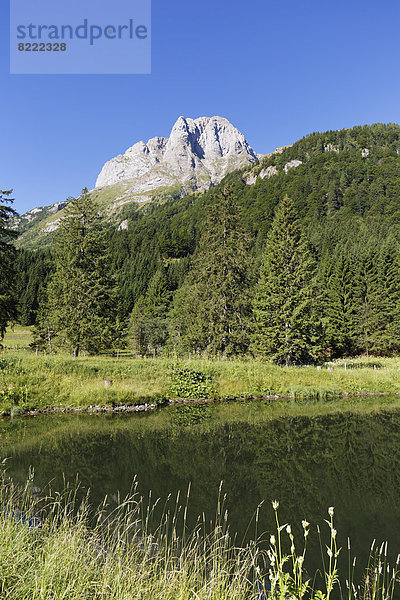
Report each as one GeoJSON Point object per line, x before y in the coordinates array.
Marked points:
{"type": "Point", "coordinates": [346, 198]}
{"type": "Point", "coordinates": [197, 155]}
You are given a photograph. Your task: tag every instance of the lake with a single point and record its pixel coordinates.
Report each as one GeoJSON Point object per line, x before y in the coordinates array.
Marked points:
{"type": "Point", "coordinates": [348, 458]}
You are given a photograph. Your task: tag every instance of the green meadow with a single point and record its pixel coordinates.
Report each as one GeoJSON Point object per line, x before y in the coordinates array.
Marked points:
{"type": "Point", "coordinates": [31, 381]}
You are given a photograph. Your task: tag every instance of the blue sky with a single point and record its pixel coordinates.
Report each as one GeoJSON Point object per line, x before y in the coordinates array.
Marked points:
{"type": "Point", "coordinates": [277, 70]}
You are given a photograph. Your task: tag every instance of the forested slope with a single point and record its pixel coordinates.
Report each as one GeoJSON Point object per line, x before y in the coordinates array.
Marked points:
{"type": "Point", "coordinates": [345, 186]}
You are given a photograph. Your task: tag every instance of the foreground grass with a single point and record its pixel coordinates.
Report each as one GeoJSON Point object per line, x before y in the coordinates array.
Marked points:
{"type": "Point", "coordinates": [28, 381]}
{"type": "Point", "coordinates": [52, 549]}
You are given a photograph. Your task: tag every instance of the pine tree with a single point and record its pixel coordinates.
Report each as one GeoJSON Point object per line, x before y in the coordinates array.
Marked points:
{"type": "Point", "coordinates": [8, 304]}
{"type": "Point", "coordinates": [286, 322]}
{"type": "Point", "coordinates": [81, 293]}
{"type": "Point", "coordinates": [211, 311]}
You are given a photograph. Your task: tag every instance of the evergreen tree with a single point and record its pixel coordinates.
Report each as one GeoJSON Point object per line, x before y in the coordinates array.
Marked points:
{"type": "Point", "coordinates": [286, 322]}
{"type": "Point", "coordinates": [7, 260]}
{"type": "Point", "coordinates": [211, 310]}
{"type": "Point", "coordinates": [43, 331]}
{"type": "Point", "coordinates": [81, 294]}
{"type": "Point", "coordinates": [137, 338]}
{"type": "Point", "coordinates": [389, 283]}
{"type": "Point", "coordinates": [379, 323]}
{"type": "Point", "coordinates": [341, 304]}
{"type": "Point", "coordinates": [370, 323]}
{"type": "Point", "coordinates": [148, 323]}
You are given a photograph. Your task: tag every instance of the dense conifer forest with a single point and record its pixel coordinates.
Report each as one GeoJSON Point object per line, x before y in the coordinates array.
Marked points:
{"type": "Point", "coordinates": [311, 250]}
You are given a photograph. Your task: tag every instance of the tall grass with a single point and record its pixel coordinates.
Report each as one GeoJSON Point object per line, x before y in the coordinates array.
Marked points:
{"type": "Point", "coordinates": [57, 548]}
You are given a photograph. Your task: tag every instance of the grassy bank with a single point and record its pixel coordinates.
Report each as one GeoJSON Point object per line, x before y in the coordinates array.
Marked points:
{"type": "Point", "coordinates": [28, 381]}
{"type": "Point", "coordinates": [52, 549]}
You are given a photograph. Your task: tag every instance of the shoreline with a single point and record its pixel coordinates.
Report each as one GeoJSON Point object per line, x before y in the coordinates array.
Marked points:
{"type": "Point", "coordinates": [148, 407]}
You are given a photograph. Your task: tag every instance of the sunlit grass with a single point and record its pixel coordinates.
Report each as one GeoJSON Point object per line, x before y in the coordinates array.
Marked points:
{"type": "Point", "coordinates": [29, 381]}
{"type": "Point", "coordinates": [17, 336]}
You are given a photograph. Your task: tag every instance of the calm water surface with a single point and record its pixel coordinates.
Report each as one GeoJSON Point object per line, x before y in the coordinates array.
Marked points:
{"type": "Point", "coordinates": [349, 460]}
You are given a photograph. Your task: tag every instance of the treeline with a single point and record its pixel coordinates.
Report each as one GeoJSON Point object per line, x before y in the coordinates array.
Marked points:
{"type": "Point", "coordinates": [298, 267]}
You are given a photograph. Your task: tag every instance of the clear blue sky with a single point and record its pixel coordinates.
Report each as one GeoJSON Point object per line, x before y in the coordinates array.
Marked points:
{"type": "Point", "coordinates": [276, 69]}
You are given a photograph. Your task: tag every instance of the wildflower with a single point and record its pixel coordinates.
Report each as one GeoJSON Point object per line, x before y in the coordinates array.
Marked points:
{"type": "Point", "coordinates": [334, 532]}
{"type": "Point", "coordinates": [272, 540]}
{"type": "Point", "coordinates": [331, 510]}
{"type": "Point", "coordinates": [300, 560]}
{"type": "Point", "coordinates": [329, 552]}
{"type": "Point", "coordinates": [275, 504]}
{"type": "Point", "coordinates": [288, 529]}
{"type": "Point", "coordinates": [305, 524]}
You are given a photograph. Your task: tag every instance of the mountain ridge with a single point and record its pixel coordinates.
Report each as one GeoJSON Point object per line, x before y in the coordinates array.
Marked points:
{"type": "Point", "coordinates": [197, 155]}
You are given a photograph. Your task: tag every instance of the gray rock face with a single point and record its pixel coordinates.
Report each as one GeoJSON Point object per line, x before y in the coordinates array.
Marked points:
{"type": "Point", "coordinates": [268, 172]}
{"type": "Point", "coordinates": [199, 152]}
{"type": "Point", "coordinates": [292, 164]}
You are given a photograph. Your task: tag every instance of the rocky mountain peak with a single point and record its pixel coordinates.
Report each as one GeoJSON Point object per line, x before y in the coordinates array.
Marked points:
{"type": "Point", "coordinates": [198, 151]}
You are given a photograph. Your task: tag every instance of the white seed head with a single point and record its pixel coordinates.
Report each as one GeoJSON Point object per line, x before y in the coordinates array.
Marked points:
{"type": "Point", "coordinates": [272, 540]}
{"type": "Point", "coordinates": [305, 524]}
{"type": "Point", "coordinates": [288, 529]}
{"type": "Point", "coordinates": [275, 504]}
{"type": "Point", "coordinates": [329, 552]}
{"type": "Point", "coordinates": [334, 532]}
{"type": "Point", "coordinates": [331, 511]}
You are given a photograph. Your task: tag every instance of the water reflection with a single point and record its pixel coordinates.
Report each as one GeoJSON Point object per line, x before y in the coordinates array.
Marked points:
{"type": "Point", "coordinates": [350, 461]}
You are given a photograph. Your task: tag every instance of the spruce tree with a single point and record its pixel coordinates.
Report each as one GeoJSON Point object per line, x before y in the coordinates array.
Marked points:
{"type": "Point", "coordinates": [370, 321]}
{"type": "Point", "coordinates": [341, 303]}
{"type": "Point", "coordinates": [389, 284]}
{"type": "Point", "coordinates": [81, 294]}
{"type": "Point", "coordinates": [8, 302]}
{"type": "Point", "coordinates": [211, 311]}
{"type": "Point", "coordinates": [381, 297]}
{"type": "Point", "coordinates": [148, 323]}
{"type": "Point", "coordinates": [287, 327]}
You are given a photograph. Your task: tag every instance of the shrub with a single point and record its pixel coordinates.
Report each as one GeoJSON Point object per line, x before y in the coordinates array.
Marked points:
{"type": "Point", "coordinates": [187, 383]}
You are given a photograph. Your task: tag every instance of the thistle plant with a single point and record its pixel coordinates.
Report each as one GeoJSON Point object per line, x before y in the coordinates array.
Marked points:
{"type": "Point", "coordinates": [286, 572]}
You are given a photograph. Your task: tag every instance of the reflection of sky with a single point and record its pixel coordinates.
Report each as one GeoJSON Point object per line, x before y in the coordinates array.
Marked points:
{"type": "Point", "coordinates": [105, 56]}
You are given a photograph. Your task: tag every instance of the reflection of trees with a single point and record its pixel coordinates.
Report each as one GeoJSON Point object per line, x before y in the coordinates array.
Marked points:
{"type": "Point", "coordinates": [349, 461]}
